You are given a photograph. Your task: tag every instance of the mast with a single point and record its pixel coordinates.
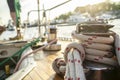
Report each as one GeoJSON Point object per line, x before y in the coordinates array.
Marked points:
{"type": "Point", "coordinates": [39, 17]}
{"type": "Point", "coordinates": [44, 19]}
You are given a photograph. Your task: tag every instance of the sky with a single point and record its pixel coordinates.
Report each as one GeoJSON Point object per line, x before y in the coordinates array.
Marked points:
{"type": "Point", "coordinates": [28, 5]}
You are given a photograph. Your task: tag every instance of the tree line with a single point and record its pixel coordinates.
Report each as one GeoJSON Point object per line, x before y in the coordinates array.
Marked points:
{"type": "Point", "coordinates": [93, 10]}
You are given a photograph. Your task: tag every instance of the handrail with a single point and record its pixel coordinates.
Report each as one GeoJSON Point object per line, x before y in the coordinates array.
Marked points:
{"type": "Point", "coordinates": [47, 9]}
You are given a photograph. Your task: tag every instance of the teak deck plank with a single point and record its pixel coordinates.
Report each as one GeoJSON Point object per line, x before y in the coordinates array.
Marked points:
{"type": "Point", "coordinates": [43, 70]}
{"type": "Point", "coordinates": [34, 75]}
{"type": "Point", "coordinates": [27, 78]}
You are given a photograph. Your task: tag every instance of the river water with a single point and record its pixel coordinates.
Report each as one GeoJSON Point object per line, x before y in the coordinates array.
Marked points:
{"type": "Point", "coordinates": [62, 31]}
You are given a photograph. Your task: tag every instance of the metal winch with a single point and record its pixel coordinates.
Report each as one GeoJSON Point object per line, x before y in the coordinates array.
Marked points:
{"type": "Point", "coordinates": [52, 34]}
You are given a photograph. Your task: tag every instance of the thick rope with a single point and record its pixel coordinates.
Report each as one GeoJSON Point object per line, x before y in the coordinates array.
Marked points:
{"type": "Point", "coordinates": [97, 48]}
{"type": "Point", "coordinates": [96, 39]}
{"type": "Point", "coordinates": [117, 47]}
{"type": "Point", "coordinates": [59, 66]}
{"type": "Point", "coordinates": [76, 46]}
{"type": "Point", "coordinates": [74, 55]}
{"type": "Point", "coordinates": [74, 68]}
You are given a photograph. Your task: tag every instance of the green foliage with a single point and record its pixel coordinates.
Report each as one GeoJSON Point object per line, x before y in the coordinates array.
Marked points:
{"type": "Point", "coordinates": [64, 16]}
{"type": "Point", "coordinates": [93, 10]}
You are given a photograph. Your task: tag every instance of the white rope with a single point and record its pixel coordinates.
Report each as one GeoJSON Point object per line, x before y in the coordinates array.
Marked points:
{"type": "Point", "coordinates": [96, 52]}
{"type": "Point", "coordinates": [99, 59]}
{"type": "Point", "coordinates": [74, 56]}
{"type": "Point", "coordinates": [96, 39]}
{"type": "Point", "coordinates": [67, 75]}
{"type": "Point", "coordinates": [117, 47]}
{"type": "Point", "coordinates": [97, 48]}
{"type": "Point", "coordinates": [59, 66]}
{"type": "Point", "coordinates": [71, 65]}
{"type": "Point", "coordinates": [77, 46]}
{"type": "Point", "coordinates": [78, 66]}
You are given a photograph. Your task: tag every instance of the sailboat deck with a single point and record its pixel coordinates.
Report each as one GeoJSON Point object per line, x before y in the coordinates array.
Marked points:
{"type": "Point", "coordinates": [43, 70]}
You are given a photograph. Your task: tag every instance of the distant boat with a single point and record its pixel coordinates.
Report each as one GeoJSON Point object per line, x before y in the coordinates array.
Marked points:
{"type": "Point", "coordinates": [10, 26]}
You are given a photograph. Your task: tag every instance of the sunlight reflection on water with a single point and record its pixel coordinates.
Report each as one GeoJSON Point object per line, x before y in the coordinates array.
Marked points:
{"type": "Point", "coordinates": [62, 31]}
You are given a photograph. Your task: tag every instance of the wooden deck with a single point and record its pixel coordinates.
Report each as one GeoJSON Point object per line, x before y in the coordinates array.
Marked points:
{"type": "Point", "coordinates": [43, 70]}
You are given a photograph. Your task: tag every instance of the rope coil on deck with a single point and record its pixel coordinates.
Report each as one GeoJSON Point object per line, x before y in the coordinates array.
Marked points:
{"type": "Point", "coordinates": [97, 48]}
{"type": "Point", "coordinates": [71, 66]}
{"type": "Point", "coordinates": [59, 66]}
{"type": "Point", "coordinates": [74, 55]}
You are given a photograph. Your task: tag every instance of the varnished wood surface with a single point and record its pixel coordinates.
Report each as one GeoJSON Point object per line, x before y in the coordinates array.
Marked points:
{"type": "Point", "coordinates": [43, 70]}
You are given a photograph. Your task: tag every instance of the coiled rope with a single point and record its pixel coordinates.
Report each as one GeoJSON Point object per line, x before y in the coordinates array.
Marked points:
{"type": "Point", "coordinates": [97, 54]}
{"type": "Point", "coordinates": [59, 66]}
